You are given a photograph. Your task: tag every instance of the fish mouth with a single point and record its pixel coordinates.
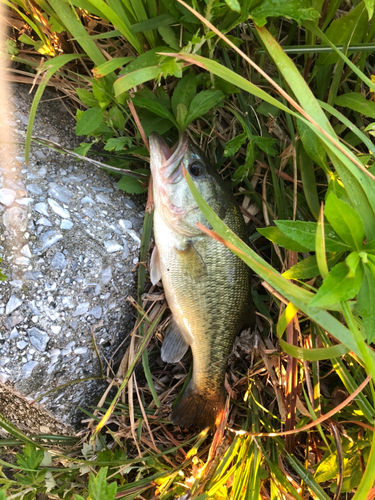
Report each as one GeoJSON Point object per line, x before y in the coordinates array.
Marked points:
{"type": "Point", "coordinates": [165, 161]}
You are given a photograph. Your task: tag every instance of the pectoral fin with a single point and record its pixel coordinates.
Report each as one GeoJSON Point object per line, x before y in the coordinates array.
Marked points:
{"type": "Point", "coordinates": [191, 262]}
{"type": "Point", "coordinates": [155, 269]}
{"type": "Point", "coordinates": [174, 346]}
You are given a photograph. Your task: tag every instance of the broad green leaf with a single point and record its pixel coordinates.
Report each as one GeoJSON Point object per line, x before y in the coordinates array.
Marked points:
{"type": "Point", "coordinates": [248, 167]}
{"type": "Point", "coordinates": [275, 235]}
{"type": "Point", "coordinates": [101, 92]}
{"type": "Point", "coordinates": [233, 145]}
{"type": "Point", "coordinates": [233, 5]}
{"type": "Point", "coordinates": [360, 195]}
{"type": "Point", "coordinates": [87, 98]}
{"type": "Point", "coordinates": [181, 114]}
{"type": "Point", "coordinates": [130, 80]}
{"type": "Point", "coordinates": [169, 37]}
{"type": "Point", "coordinates": [370, 8]}
{"type": "Point", "coordinates": [131, 184]}
{"type": "Point", "coordinates": [170, 66]}
{"type": "Point", "coordinates": [109, 66]}
{"type": "Point", "coordinates": [308, 268]}
{"type": "Point", "coordinates": [304, 233]}
{"type": "Point", "coordinates": [89, 121]}
{"type": "Point", "coordinates": [31, 457]}
{"type": "Point", "coordinates": [327, 469]}
{"type": "Point", "coordinates": [366, 303]}
{"type": "Point", "coordinates": [345, 221]}
{"type": "Point", "coordinates": [313, 354]}
{"type": "Point", "coordinates": [99, 489]}
{"type": "Point", "coordinates": [266, 144]}
{"type": "Point", "coordinates": [352, 25]}
{"type": "Point", "coordinates": [202, 103]}
{"type": "Point", "coordinates": [83, 148]}
{"type": "Point", "coordinates": [299, 10]}
{"type": "Point", "coordinates": [153, 123]}
{"type": "Point", "coordinates": [356, 102]}
{"type": "Point", "coordinates": [155, 107]}
{"type": "Point", "coordinates": [185, 91]}
{"type": "Point", "coordinates": [116, 119]}
{"type": "Point", "coordinates": [337, 287]}
{"type": "Point", "coordinates": [117, 143]}
{"type": "Point", "coordinates": [352, 261]}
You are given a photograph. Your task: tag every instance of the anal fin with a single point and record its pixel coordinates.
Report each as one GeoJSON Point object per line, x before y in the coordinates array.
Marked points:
{"type": "Point", "coordinates": [174, 346]}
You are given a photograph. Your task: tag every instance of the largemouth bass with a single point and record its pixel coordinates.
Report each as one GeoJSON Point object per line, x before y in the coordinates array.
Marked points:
{"type": "Point", "coordinates": [206, 286]}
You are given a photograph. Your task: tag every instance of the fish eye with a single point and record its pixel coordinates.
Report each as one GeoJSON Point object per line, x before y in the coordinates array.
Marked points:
{"type": "Point", "coordinates": [196, 169]}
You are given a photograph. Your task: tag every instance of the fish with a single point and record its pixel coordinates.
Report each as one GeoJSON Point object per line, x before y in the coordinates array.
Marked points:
{"type": "Point", "coordinates": [206, 286]}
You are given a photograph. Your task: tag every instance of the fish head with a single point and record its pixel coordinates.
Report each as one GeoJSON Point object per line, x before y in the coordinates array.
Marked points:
{"type": "Point", "coordinates": [172, 196]}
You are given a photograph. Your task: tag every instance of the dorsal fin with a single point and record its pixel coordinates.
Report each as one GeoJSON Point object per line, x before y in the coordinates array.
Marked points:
{"type": "Point", "coordinates": [155, 269]}
{"type": "Point", "coordinates": [174, 346]}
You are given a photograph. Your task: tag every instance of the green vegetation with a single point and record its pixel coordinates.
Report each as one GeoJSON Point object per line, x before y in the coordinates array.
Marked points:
{"type": "Point", "coordinates": [293, 131]}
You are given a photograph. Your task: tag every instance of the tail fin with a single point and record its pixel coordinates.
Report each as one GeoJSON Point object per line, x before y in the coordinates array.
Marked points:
{"type": "Point", "coordinates": [198, 409]}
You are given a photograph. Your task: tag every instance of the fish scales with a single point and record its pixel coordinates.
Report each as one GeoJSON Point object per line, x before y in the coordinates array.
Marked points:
{"type": "Point", "coordinates": [207, 287]}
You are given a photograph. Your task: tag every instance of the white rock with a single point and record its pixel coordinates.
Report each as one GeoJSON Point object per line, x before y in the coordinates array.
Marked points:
{"type": "Point", "coordinates": [58, 209]}
{"type": "Point", "coordinates": [13, 303]}
{"type": "Point", "coordinates": [7, 196]}
{"type": "Point", "coordinates": [25, 250]}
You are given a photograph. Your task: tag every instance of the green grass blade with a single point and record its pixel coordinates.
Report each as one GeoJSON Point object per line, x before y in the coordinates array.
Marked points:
{"type": "Point", "coordinates": [109, 66]}
{"type": "Point", "coordinates": [69, 18]}
{"type": "Point", "coordinates": [318, 32]}
{"type": "Point", "coordinates": [307, 477]}
{"type": "Point", "coordinates": [313, 354]}
{"type": "Point", "coordinates": [51, 67]}
{"type": "Point", "coordinates": [154, 23]}
{"type": "Point", "coordinates": [12, 429]}
{"type": "Point", "coordinates": [231, 77]}
{"type": "Point", "coordinates": [127, 82]}
{"type": "Point", "coordinates": [368, 143]}
{"type": "Point", "coordinates": [368, 477]}
{"type": "Point", "coordinates": [122, 23]}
